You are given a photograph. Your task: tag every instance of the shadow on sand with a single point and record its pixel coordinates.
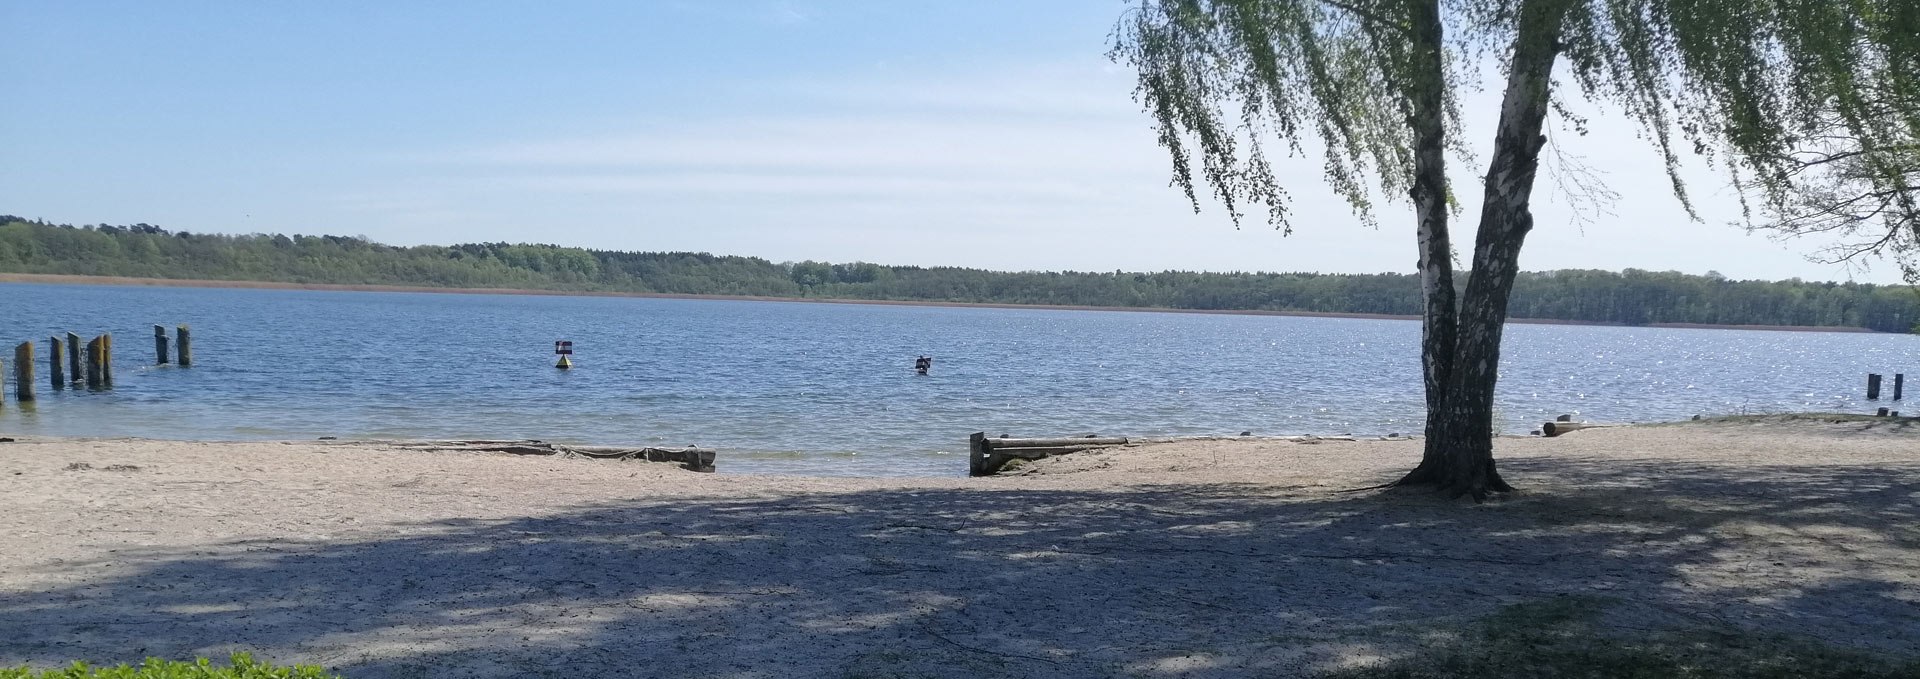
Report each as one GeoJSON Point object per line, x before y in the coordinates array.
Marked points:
{"type": "Point", "coordinates": [1157, 581]}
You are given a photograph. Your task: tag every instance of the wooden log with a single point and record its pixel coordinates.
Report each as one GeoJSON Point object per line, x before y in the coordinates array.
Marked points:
{"type": "Point", "coordinates": [56, 363]}
{"type": "Point", "coordinates": [1036, 453]}
{"type": "Point", "coordinates": [700, 460]}
{"type": "Point", "coordinates": [1001, 443]}
{"type": "Point", "coordinates": [74, 372]}
{"type": "Point", "coordinates": [23, 372]}
{"type": "Point", "coordinates": [94, 371]}
{"type": "Point", "coordinates": [985, 456]}
{"type": "Point", "coordinates": [690, 458]}
{"type": "Point", "coordinates": [1558, 428]}
{"type": "Point", "coordinates": [159, 345]}
{"type": "Point", "coordinates": [184, 345]}
{"type": "Point", "coordinates": [1873, 386]}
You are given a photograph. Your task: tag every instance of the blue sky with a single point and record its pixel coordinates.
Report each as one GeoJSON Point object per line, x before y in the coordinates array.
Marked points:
{"type": "Point", "coordinates": [989, 134]}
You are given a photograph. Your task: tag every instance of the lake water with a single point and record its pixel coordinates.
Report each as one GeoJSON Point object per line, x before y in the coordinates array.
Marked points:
{"type": "Point", "coordinates": [829, 388]}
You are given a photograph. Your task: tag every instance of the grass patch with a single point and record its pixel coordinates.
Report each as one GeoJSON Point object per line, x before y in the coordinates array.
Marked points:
{"type": "Point", "coordinates": [242, 666]}
{"type": "Point", "coordinates": [1561, 638]}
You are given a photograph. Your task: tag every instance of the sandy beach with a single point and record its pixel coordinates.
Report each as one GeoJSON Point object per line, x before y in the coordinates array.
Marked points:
{"type": "Point", "coordinates": [1199, 558]}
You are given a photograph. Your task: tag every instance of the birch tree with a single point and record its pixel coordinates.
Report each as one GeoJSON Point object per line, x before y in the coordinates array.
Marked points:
{"type": "Point", "coordinates": [1373, 88]}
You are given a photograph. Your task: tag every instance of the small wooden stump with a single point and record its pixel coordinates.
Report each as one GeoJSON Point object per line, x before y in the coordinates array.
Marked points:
{"type": "Point", "coordinates": [986, 456]}
{"type": "Point", "coordinates": [96, 372]}
{"type": "Point", "coordinates": [23, 371]}
{"type": "Point", "coordinates": [159, 345]}
{"type": "Point", "coordinates": [184, 345]}
{"type": "Point", "coordinates": [74, 371]}
{"type": "Point", "coordinates": [57, 375]}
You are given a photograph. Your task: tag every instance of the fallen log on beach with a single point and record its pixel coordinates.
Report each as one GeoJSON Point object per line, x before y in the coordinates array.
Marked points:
{"type": "Point", "coordinates": [985, 456]}
{"type": "Point", "coordinates": [1552, 429]}
{"type": "Point", "coordinates": [691, 458]}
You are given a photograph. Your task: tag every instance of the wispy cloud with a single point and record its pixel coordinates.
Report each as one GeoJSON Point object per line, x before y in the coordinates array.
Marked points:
{"type": "Point", "coordinates": [1033, 133]}
{"type": "Point", "coordinates": [1027, 165]}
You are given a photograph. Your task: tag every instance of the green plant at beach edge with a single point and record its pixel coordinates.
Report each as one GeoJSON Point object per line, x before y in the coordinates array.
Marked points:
{"type": "Point", "coordinates": [243, 666]}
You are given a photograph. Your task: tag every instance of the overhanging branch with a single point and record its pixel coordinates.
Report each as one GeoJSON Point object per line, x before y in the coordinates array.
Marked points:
{"type": "Point", "coordinates": [1370, 16]}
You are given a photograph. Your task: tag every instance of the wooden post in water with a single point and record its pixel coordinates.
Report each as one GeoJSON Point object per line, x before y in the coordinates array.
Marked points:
{"type": "Point", "coordinates": [1873, 386]}
{"type": "Point", "coordinates": [73, 359]}
{"type": "Point", "coordinates": [94, 370]}
{"type": "Point", "coordinates": [55, 362]}
{"type": "Point", "coordinates": [1899, 381]}
{"type": "Point", "coordinates": [23, 371]}
{"type": "Point", "coordinates": [159, 345]}
{"type": "Point", "coordinates": [184, 346]}
{"type": "Point", "coordinates": [106, 360]}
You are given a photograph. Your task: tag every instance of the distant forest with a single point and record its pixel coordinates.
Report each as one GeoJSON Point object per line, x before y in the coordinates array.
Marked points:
{"type": "Point", "coordinates": [1630, 297]}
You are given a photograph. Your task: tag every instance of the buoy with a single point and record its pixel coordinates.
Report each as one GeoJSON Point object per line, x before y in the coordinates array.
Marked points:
{"type": "Point", "coordinates": [564, 364]}
{"type": "Point", "coordinates": [563, 349]}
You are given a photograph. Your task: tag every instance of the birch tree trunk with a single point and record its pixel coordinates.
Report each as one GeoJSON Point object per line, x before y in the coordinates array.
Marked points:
{"type": "Point", "coordinates": [1438, 317]}
{"type": "Point", "coordinates": [1459, 448]}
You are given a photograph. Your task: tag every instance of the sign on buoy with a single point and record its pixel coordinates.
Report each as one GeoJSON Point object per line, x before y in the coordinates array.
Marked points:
{"type": "Point", "coordinates": [563, 349]}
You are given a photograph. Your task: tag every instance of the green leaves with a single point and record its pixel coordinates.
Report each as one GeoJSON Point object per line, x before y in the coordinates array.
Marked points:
{"type": "Point", "coordinates": [1754, 86]}
{"type": "Point", "coordinates": [243, 666]}
{"type": "Point", "coordinates": [1224, 80]}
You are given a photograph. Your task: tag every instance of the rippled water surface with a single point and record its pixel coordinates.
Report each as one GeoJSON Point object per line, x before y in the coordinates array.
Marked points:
{"type": "Point", "coordinates": [829, 388]}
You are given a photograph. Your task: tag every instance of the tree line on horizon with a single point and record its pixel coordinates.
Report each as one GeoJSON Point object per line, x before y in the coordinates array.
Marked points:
{"type": "Point", "coordinates": [1629, 297]}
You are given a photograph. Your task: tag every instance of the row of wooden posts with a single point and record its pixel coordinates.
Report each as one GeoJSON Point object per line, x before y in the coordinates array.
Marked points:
{"type": "Point", "coordinates": [1873, 386]}
{"type": "Point", "coordinates": [95, 371]}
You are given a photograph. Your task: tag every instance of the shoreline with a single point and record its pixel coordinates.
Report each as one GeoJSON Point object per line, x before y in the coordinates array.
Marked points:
{"type": "Point", "coordinates": [128, 281]}
{"type": "Point", "coordinates": [376, 560]}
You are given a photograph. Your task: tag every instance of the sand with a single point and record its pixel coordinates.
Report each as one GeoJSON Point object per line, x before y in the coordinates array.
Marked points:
{"type": "Point", "coordinates": [1204, 558]}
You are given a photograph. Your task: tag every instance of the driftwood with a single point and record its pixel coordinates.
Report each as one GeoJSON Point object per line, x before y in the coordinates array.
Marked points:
{"type": "Point", "coordinates": [985, 456]}
{"type": "Point", "coordinates": [1558, 428]}
{"type": "Point", "coordinates": [692, 459]}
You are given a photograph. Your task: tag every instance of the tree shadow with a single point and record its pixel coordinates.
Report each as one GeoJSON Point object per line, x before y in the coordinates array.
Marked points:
{"type": "Point", "coordinates": [1009, 580]}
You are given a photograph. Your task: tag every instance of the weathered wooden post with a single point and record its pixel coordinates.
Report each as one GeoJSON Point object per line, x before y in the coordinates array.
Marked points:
{"type": "Point", "coordinates": [159, 345]}
{"type": "Point", "coordinates": [73, 358]}
{"type": "Point", "coordinates": [977, 452]}
{"type": "Point", "coordinates": [1880, 413]}
{"type": "Point", "coordinates": [23, 371]}
{"type": "Point", "coordinates": [1873, 386]}
{"type": "Point", "coordinates": [184, 345]}
{"type": "Point", "coordinates": [94, 370]}
{"type": "Point", "coordinates": [1899, 381]}
{"type": "Point", "coordinates": [55, 364]}
{"type": "Point", "coordinates": [106, 360]}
